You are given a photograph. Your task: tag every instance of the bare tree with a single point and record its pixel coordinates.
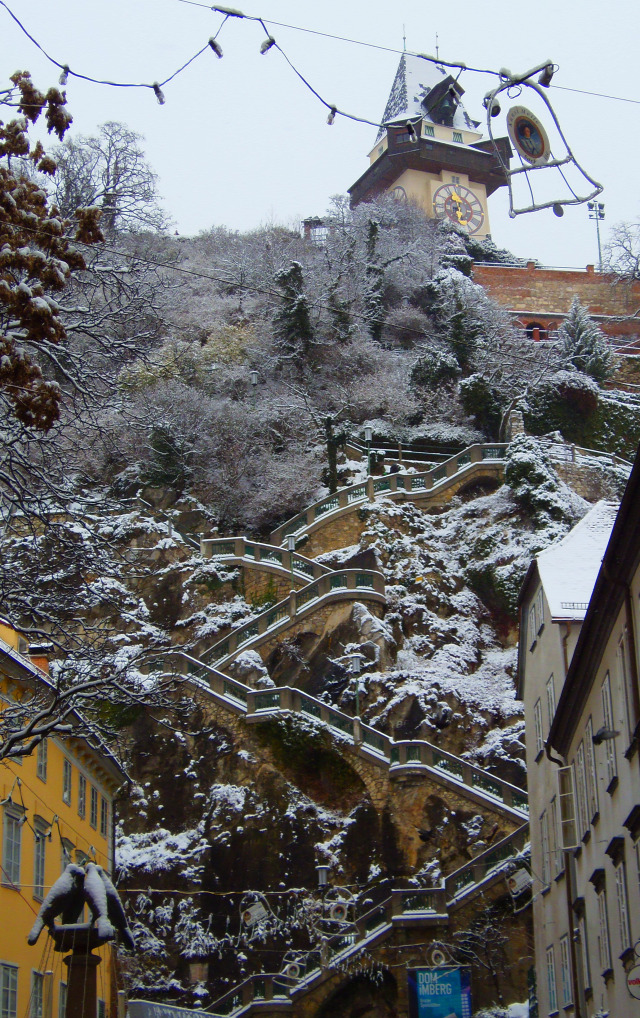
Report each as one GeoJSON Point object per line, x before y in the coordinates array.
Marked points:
{"type": "Point", "coordinates": [108, 171]}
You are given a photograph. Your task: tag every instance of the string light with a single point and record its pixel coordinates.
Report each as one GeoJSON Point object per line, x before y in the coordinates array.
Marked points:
{"type": "Point", "coordinates": [216, 47]}
{"type": "Point", "coordinates": [332, 115]}
{"type": "Point", "coordinates": [158, 93]}
{"type": "Point", "coordinates": [267, 44]}
{"type": "Point", "coordinates": [62, 80]}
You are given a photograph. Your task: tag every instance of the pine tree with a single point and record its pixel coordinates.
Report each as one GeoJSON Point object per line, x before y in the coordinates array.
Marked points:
{"type": "Point", "coordinates": [292, 320]}
{"type": "Point", "coordinates": [584, 346]}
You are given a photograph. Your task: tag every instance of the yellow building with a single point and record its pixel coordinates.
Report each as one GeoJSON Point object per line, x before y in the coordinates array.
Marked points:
{"type": "Point", "coordinates": [57, 808]}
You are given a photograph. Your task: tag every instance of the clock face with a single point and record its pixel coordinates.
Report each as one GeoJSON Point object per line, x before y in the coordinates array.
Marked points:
{"type": "Point", "coordinates": [457, 203]}
{"type": "Point", "coordinates": [399, 193]}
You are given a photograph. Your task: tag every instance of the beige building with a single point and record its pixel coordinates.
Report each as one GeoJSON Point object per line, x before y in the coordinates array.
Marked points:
{"type": "Point", "coordinates": [578, 677]}
{"type": "Point", "coordinates": [430, 152]}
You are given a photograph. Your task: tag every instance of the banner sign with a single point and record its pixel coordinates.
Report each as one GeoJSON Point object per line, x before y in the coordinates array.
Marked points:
{"type": "Point", "coordinates": [443, 992]}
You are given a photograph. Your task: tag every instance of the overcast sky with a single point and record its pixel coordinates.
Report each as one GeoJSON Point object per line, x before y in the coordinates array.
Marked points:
{"type": "Point", "coordinates": [241, 142]}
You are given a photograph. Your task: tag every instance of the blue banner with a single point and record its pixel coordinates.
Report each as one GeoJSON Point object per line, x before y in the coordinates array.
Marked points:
{"type": "Point", "coordinates": [443, 992]}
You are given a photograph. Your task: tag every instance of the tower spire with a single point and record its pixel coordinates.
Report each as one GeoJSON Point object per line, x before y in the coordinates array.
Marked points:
{"type": "Point", "coordinates": [437, 49]}
{"type": "Point", "coordinates": [404, 38]}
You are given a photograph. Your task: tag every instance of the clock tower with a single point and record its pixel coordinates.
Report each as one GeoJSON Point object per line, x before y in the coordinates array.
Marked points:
{"type": "Point", "coordinates": [428, 150]}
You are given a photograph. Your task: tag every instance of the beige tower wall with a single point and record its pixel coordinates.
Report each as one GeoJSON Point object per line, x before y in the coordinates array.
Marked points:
{"type": "Point", "coordinates": [420, 188]}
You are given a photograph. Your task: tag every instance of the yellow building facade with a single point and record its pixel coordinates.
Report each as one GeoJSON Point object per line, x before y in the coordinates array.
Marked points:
{"type": "Point", "coordinates": [57, 808]}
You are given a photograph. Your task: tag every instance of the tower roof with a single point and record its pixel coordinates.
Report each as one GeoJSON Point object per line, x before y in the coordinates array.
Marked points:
{"type": "Point", "coordinates": [414, 80]}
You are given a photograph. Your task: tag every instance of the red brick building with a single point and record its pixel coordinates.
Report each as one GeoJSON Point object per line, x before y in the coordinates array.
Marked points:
{"type": "Point", "coordinates": [539, 298]}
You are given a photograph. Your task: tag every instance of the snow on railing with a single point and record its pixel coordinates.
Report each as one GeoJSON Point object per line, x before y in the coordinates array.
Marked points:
{"type": "Point", "coordinates": [413, 904]}
{"type": "Point", "coordinates": [400, 757]}
{"type": "Point", "coordinates": [349, 584]}
{"type": "Point", "coordinates": [395, 485]}
{"type": "Point", "coordinates": [254, 553]}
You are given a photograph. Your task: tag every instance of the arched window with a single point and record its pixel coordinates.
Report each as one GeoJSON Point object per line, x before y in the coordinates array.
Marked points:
{"type": "Point", "coordinates": [536, 331]}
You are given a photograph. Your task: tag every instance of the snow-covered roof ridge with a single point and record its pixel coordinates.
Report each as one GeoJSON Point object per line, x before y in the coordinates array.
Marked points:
{"type": "Point", "coordinates": [569, 567]}
{"type": "Point", "coordinates": [413, 81]}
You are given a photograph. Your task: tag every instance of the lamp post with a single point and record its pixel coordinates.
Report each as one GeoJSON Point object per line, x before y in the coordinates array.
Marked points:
{"type": "Point", "coordinates": [291, 547]}
{"type": "Point", "coordinates": [368, 435]}
{"type": "Point", "coordinates": [253, 376]}
{"type": "Point", "coordinates": [356, 667]}
{"type": "Point", "coordinates": [596, 211]}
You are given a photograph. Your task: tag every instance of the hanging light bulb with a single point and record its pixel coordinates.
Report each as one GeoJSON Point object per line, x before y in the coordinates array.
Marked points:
{"type": "Point", "coordinates": [332, 115]}
{"type": "Point", "coordinates": [62, 80]}
{"type": "Point", "coordinates": [546, 75]}
{"type": "Point", "coordinates": [492, 105]}
{"type": "Point", "coordinates": [216, 47]}
{"type": "Point", "coordinates": [558, 210]}
{"type": "Point", "coordinates": [267, 44]}
{"type": "Point", "coordinates": [159, 94]}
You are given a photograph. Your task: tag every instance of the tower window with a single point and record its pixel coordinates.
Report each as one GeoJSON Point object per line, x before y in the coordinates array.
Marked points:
{"type": "Point", "coordinates": [427, 130]}
{"type": "Point", "coordinates": [455, 180]}
{"type": "Point", "coordinates": [457, 136]}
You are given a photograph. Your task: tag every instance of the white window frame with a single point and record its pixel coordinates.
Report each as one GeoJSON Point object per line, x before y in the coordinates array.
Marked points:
{"type": "Point", "coordinates": [36, 1007]}
{"type": "Point", "coordinates": [592, 778]}
{"type": "Point", "coordinates": [104, 817]}
{"type": "Point", "coordinates": [457, 137]}
{"type": "Point", "coordinates": [41, 760]}
{"type": "Point", "coordinates": [93, 807]}
{"type": "Point", "coordinates": [544, 848]}
{"type": "Point", "coordinates": [428, 131]}
{"type": "Point", "coordinates": [622, 899]}
{"type": "Point", "coordinates": [551, 980]}
{"type": "Point", "coordinates": [539, 612]}
{"type": "Point", "coordinates": [584, 947]}
{"type": "Point", "coordinates": [582, 801]}
{"type": "Point", "coordinates": [555, 838]}
{"type": "Point", "coordinates": [82, 796]}
{"type": "Point", "coordinates": [604, 942]}
{"type": "Point", "coordinates": [565, 971]}
{"type": "Point", "coordinates": [62, 1000]}
{"type": "Point", "coordinates": [8, 990]}
{"type": "Point", "coordinates": [624, 675]}
{"type": "Point", "coordinates": [11, 846]}
{"type": "Point", "coordinates": [607, 721]}
{"type": "Point", "coordinates": [39, 858]}
{"type": "Point", "coordinates": [569, 837]}
{"type": "Point", "coordinates": [533, 626]}
{"type": "Point", "coordinates": [550, 691]}
{"type": "Point", "coordinates": [67, 781]}
{"type": "Point", "coordinates": [538, 727]}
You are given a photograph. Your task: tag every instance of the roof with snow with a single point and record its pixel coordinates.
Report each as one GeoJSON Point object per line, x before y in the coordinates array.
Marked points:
{"type": "Point", "coordinates": [569, 568]}
{"type": "Point", "coordinates": [414, 80]}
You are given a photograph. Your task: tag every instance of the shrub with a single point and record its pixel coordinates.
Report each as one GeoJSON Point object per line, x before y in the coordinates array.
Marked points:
{"type": "Point", "coordinates": [483, 403]}
{"type": "Point", "coordinates": [434, 368]}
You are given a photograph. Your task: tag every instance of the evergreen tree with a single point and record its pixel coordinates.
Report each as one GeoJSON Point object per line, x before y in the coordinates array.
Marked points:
{"type": "Point", "coordinates": [584, 346]}
{"type": "Point", "coordinates": [292, 320]}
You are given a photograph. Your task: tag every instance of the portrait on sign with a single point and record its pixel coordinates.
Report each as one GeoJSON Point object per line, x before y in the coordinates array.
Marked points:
{"type": "Point", "coordinates": [528, 136]}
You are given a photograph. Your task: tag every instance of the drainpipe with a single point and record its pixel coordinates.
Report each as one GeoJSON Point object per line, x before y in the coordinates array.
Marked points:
{"type": "Point", "coordinates": [565, 649]}
{"type": "Point", "coordinates": [633, 659]}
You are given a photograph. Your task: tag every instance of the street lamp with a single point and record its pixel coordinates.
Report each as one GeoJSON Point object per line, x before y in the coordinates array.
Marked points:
{"type": "Point", "coordinates": [368, 435]}
{"type": "Point", "coordinates": [596, 211]}
{"type": "Point", "coordinates": [356, 667]}
{"type": "Point", "coordinates": [291, 547]}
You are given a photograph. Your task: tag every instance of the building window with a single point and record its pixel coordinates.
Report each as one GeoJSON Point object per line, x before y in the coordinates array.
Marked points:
{"type": "Point", "coordinates": [62, 1000]}
{"type": "Point", "coordinates": [101, 1010]}
{"type": "Point", "coordinates": [39, 857]}
{"type": "Point", "coordinates": [402, 138]}
{"type": "Point", "coordinates": [554, 838]}
{"type": "Point", "coordinates": [581, 791]}
{"type": "Point", "coordinates": [104, 817]}
{"type": "Point", "coordinates": [455, 180]}
{"type": "Point", "coordinates": [604, 947]}
{"type": "Point", "coordinates": [551, 981]}
{"type": "Point", "coordinates": [624, 672]}
{"type": "Point", "coordinates": [66, 782]}
{"type": "Point", "coordinates": [565, 971]}
{"type": "Point", "coordinates": [9, 991]}
{"type": "Point", "coordinates": [533, 626]}
{"type": "Point", "coordinates": [37, 995]}
{"type": "Point", "coordinates": [551, 699]}
{"type": "Point", "coordinates": [607, 721]}
{"type": "Point", "coordinates": [567, 803]}
{"type": "Point", "coordinates": [380, 150]}
{"type": "Point", "coordinates": [623, 906]}
{"type": "Point", "coordinates": [544, 843]}
{"type": "Point", "coordinates": [584, 948]}
{"type": "Point", "coordinates": [592, 781]}
{"type": "Point", "coordinates": [11, 844]}
{"type": "Point", "coordinates": [93, 813]}
{"type": "Point", "coordinates": [457, 136]}
{"type": "Point", "coordinates": [428, 131]}
{"type": "Point", "coordinates": [82, 796]}
{"type": "Point", "coordinates": [41, 760]}
{"type": "Point", "coordinates": [537, 724]}
{"type": "Point", "coordinates": [540, 611]}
